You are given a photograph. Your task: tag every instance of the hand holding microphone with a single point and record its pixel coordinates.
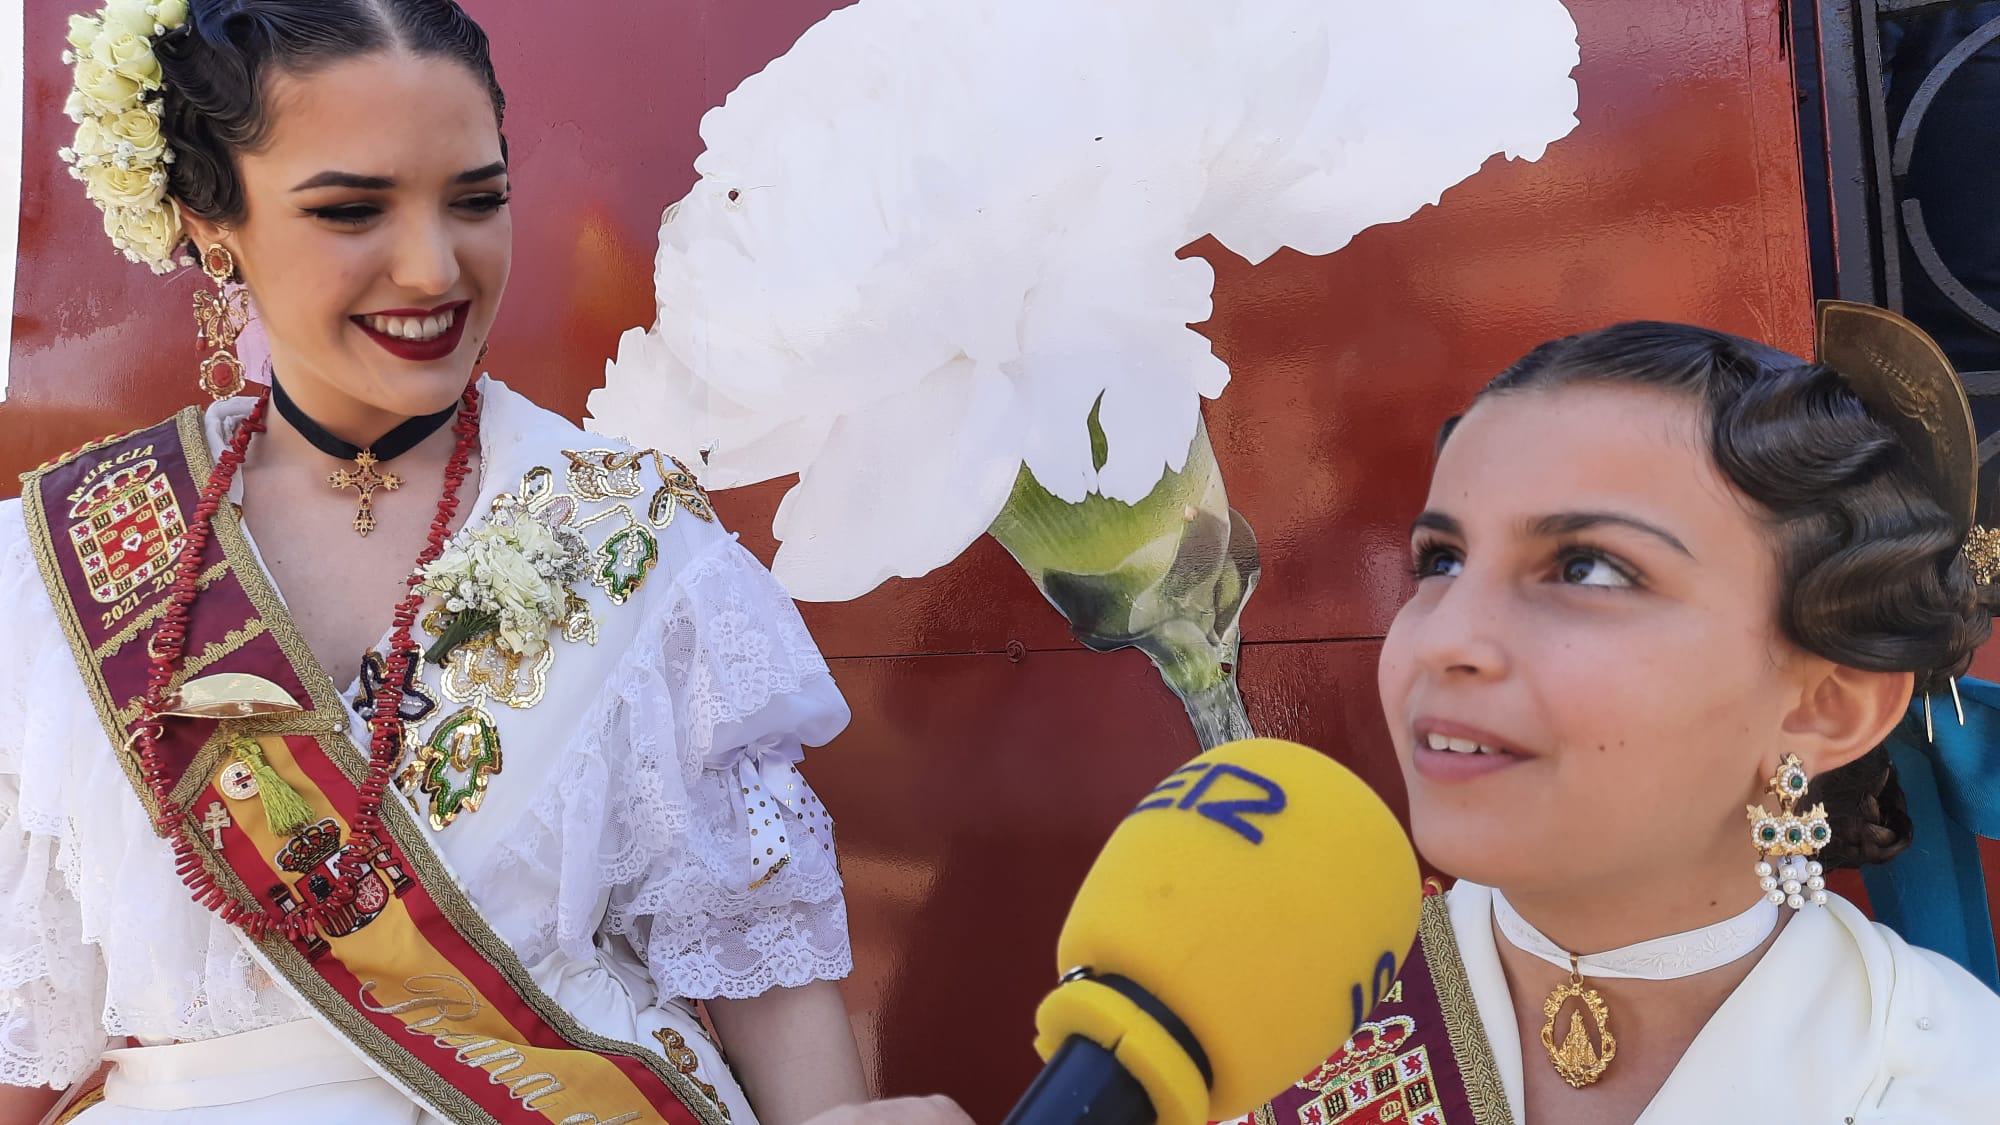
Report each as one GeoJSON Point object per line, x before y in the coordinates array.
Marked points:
{"type": "Point", "coordinates": [1238, 925]}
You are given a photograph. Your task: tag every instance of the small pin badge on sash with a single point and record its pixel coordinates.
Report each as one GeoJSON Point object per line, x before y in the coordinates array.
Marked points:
{"type": "Point", "coordinates": [237, 782]}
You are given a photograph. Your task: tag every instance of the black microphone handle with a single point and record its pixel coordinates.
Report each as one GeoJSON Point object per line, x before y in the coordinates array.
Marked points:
{"type": "Point", "coordinates": [1084, 1084]}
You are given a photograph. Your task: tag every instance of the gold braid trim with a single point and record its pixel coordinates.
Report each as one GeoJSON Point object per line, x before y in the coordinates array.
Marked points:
{"type": "Point", "coordinates": [35, 514]}
{"type": "Point", "coordinates": [199, 662]}
{"type": "Point", "coordinates": [1483, 1088]}
{"type": "Point", "coordinates": [153, 613]}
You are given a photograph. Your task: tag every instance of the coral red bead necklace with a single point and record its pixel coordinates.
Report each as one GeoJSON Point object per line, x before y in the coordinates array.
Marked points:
{"type": "Point", "coordinates": [169, 646]}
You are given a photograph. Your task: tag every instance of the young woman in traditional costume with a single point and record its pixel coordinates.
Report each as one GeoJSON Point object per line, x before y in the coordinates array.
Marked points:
{"type": "Point", "coordinates": [384, 748]}
{"type": "Point", "coordinates": [1666, 575]}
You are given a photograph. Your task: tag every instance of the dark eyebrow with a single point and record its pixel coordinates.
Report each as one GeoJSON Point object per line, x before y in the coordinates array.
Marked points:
{"type": "Point", "coordinates": [1438, 522]}
{"type": "Point", "coordinates": [1571, 523]}
{"type": "Point", "coordinates": [382, 183]}
{"type": "Point", "coordinates": [1556, 526]}
{"type": "Point", "coordinates": [346, 180]}
{"type": "Point", "coordinates": [491, 171]}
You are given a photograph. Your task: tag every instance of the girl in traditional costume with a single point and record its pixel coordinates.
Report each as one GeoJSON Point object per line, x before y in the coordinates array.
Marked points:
{"type": "Point", "coordinates": [1675, 589]}
{"type": "Point", "coordinates": [383, 747]}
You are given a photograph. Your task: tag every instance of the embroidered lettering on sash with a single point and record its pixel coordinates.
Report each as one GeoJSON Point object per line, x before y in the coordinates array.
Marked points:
{"type": "Point", "coordinates": [439, 1000]}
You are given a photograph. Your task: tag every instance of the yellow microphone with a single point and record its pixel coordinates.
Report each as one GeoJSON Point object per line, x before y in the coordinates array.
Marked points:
{"type": "Point", "coordinates": [1238, 926]}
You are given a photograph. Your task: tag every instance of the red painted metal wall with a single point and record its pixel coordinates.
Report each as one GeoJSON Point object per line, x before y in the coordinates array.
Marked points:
{"type": "Point", "coordinates": [990, 755]}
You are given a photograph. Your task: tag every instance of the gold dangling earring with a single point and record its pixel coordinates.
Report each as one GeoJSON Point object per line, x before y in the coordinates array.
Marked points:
{"type": "Point", "coordinates": [221, 317]}
{"type": "Point", "coordinates": [1791, 837]}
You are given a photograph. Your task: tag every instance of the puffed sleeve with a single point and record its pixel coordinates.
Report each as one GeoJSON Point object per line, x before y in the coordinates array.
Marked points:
{"type": "Point", "coordinates": [747, 898]}
{"type": "Point", "coordinates": [712, 859]}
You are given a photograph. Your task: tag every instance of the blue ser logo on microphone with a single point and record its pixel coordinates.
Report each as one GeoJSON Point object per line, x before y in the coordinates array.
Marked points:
{"type": "Point", "coordinates": [1208, 789]}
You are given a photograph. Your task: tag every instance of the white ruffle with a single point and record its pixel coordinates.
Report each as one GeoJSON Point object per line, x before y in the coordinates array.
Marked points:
{"type": "Point", "coordinates": [722, 663]}
{"type": "Point", "coordinates": [98, 936]}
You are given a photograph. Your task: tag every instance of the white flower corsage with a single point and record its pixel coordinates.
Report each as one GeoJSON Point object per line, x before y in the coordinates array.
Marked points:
{"type": "Point", "coordinates": [509, 579]}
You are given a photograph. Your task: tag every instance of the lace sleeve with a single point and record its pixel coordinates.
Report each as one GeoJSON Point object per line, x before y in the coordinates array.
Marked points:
{"type": "Point", "coordinates": [712, 859]}
{"type": "Point", "coordinates": [750, 898]}
{"type": "Point", "coordinates": [52, 984]}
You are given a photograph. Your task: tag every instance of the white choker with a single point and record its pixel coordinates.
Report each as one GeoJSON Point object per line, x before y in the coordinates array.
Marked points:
{"type": "Point", "coordinates": [1666, 958]}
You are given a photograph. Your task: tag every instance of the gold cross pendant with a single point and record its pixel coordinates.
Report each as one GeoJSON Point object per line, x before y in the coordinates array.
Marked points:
{"type": "Point", "coordinates": [365, 480]}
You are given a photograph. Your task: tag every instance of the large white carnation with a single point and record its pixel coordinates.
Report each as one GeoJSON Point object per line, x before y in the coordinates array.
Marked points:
{"type": "Point", "coordinates": [932, 236]}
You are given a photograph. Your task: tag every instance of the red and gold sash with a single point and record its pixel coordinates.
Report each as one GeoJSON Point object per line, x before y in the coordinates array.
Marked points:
{"type": "Point", "coordinates": [409, 974]}
{"type": "Point", "coordinates": [1421, 1059]}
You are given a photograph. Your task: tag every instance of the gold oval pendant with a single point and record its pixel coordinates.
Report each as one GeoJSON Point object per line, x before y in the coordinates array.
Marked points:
{"type": "Point", "coordinates": [1577, 1059]}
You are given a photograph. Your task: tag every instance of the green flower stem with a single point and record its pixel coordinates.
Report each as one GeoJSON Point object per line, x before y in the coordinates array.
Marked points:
{"type": "Point", "coordinates": [1168, 575]}
{"type": "Point", "coordinates": [464, 627]}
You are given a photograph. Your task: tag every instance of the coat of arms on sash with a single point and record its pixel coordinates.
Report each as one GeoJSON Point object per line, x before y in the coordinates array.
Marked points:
{"type": "Point", "coordinates": [311, 855]}
{"type": "Point", "coordinates": [126, 529]}
{"type": "Point", "coordinates": [1384, 1074]}
{"type": "Point", "coordinates": [1422, 1059]}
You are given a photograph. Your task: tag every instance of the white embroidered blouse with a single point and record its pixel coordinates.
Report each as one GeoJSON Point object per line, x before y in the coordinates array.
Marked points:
{"type": "Point", "coordinates": [1840, 1021]}
{"type": "Point", "coordinates": [616, 858]}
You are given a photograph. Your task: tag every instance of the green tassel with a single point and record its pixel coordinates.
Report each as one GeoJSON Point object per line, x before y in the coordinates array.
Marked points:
{"type": "Point", "coordinates": [286, 811]}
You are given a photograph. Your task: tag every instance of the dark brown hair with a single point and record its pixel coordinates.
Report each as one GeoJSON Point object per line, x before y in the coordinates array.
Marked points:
{"type": "Point", "coordinates": [217, 69]}
{"type": "Point", "coordinates": [1869, 564]}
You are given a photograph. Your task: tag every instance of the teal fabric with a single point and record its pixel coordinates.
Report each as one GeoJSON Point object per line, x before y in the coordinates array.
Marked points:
{"type": "Point", "coordinates": [1935, 894]}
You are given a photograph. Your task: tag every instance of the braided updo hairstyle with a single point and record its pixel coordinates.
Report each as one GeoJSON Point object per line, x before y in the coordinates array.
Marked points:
{"type": "Point", "coordinates": [217, 68]}
{"type": "Point", "coordinates": [1869, 565]}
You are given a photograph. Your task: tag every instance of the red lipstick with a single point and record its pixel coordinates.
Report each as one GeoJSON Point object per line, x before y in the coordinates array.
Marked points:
{"type": "Point", "coordinates": [418, 351]}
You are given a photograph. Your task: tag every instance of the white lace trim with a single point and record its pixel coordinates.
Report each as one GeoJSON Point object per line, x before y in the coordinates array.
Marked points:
{"type": "Point", "coordinates": [722, 661]}
{"type": "Point", "coordinates": [98, 936]}
{"type": "Point", "coordinates": [637, 837]}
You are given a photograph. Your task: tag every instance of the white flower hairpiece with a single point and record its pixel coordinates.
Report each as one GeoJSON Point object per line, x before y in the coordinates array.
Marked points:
{"type": "Point", "coordinates": [119, 152]}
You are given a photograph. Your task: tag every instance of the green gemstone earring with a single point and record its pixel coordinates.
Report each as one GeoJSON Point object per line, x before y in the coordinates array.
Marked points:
{"type": "Point", "coordinates": [1790, 838]}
